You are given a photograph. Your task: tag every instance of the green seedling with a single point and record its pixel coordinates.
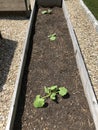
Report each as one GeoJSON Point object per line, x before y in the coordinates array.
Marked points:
{"type": "Point", "coordinates": [50, 92]}
{"type": "Point", "coordinates": [49, 11]}
{"type": "Point", "coordinates": [52, 37]}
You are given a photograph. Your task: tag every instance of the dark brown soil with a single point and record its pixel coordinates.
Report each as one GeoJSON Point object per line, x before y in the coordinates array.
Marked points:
{"type": "Point", "coordinates": [52, 63]}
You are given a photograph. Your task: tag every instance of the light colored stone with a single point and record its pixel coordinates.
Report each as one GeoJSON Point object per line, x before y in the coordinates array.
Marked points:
{"type": "Point", "coordinates": [87, 38]}
{"type": "Point", "coordinates": [12, 29]}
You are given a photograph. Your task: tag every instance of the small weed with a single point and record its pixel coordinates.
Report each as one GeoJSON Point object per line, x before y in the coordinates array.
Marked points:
{"type": "Point", "coordinates": [51, 92]}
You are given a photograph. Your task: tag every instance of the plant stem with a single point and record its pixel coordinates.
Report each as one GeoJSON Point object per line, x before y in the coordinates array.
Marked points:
{"type": "Point", "coordinates": [46, 96]}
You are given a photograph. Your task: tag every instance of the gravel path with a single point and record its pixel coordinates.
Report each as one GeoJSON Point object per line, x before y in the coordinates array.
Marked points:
{"type": "Point", "coordinates": [13, 30]}
{"type": "Point", "coordinates": [87, 37]}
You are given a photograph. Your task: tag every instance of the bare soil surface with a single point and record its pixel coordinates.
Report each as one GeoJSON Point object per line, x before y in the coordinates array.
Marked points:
{"type": "Point", "coordinates": [52, 63]}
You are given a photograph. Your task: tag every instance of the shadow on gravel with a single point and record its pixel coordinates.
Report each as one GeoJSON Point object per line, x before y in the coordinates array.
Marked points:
{"type": "Point", "coordinates": [15, 15]}
{"type": "Point", "coordinates": [7, 49]}
{"type": "Point", "coordinates": [21, 101]}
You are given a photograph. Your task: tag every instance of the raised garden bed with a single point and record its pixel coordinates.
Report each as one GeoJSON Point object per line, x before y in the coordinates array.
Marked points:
{"type": "Point", "coordinates": [52, 63]}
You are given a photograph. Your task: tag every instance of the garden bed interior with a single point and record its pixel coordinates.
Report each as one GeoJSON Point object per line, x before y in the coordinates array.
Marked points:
{"type": "Point", "coordinates": [52, 63]}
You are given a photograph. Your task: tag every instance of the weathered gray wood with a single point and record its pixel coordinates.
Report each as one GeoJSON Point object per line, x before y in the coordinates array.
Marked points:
{"type": "Point", "coordinates": [90, 15]}
{"type": "Point", "coordinates": [17, 89]}
{"type": "Point", "coordinates": [49, 3]}
{"type": "Point", "coordinates": [88, 88]}
{"type": "Point", "coordinates": [13, 5]}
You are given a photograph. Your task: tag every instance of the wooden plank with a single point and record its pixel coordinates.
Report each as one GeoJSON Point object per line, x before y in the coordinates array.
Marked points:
{"type": "Point", "coordinates": [17, 89]}
{"type": "Point", "coordinates": [88, 88]}
{"type": "Point", "coordinates": [12, 5]}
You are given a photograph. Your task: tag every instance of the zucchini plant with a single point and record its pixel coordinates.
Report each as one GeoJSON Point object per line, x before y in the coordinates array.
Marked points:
{"type": "Point", "coordinates": [50, 92]}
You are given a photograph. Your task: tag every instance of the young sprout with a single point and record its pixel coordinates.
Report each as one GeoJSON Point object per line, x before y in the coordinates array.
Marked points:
{"type": "Point", "coordinates": [49, 11]}
{"type": "Point", "coordinates": [52, 37]}
{"type": "Point", "coordinates": [51, 92]}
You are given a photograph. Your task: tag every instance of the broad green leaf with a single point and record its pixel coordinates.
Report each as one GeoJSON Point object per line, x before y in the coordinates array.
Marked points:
{"type": "Point", "coordinates": [53, 87]}
{"type": "Point", "coordinates": [63, 91]}
{"type": "Point", "coordinates": [47, 11]}
{"type": "Point", "coordinates": [44, 12]}
{"type": "Point", "coordinates": [53, 96]}
{"type": "Point", "coordinates": [39, 102]}
{"type": "Point", "coordinates": [53, 38]}
{"type": "Point", "coordinates": [46, 90]}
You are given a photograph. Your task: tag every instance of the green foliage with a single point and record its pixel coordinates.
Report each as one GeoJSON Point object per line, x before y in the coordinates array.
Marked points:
{"type": "Point", "coordinates": [51, 92]}
{"type": "Point", "coordinates": [44, 12]}
{"type": "Point", "coordinates": [49, 11]}
{"type": "Point", "coordinates": [63, 91]}
{"type": "Point", "coordinates": [53, 88]}
{"type": "Point", "coordinates": [39, 102]}
{"type": "Point", "coordinates": [53, 96]}
{"type": "Point", "coordinates": [47, 91]}
{"type": "Point", "coordinates": [52, 37]}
